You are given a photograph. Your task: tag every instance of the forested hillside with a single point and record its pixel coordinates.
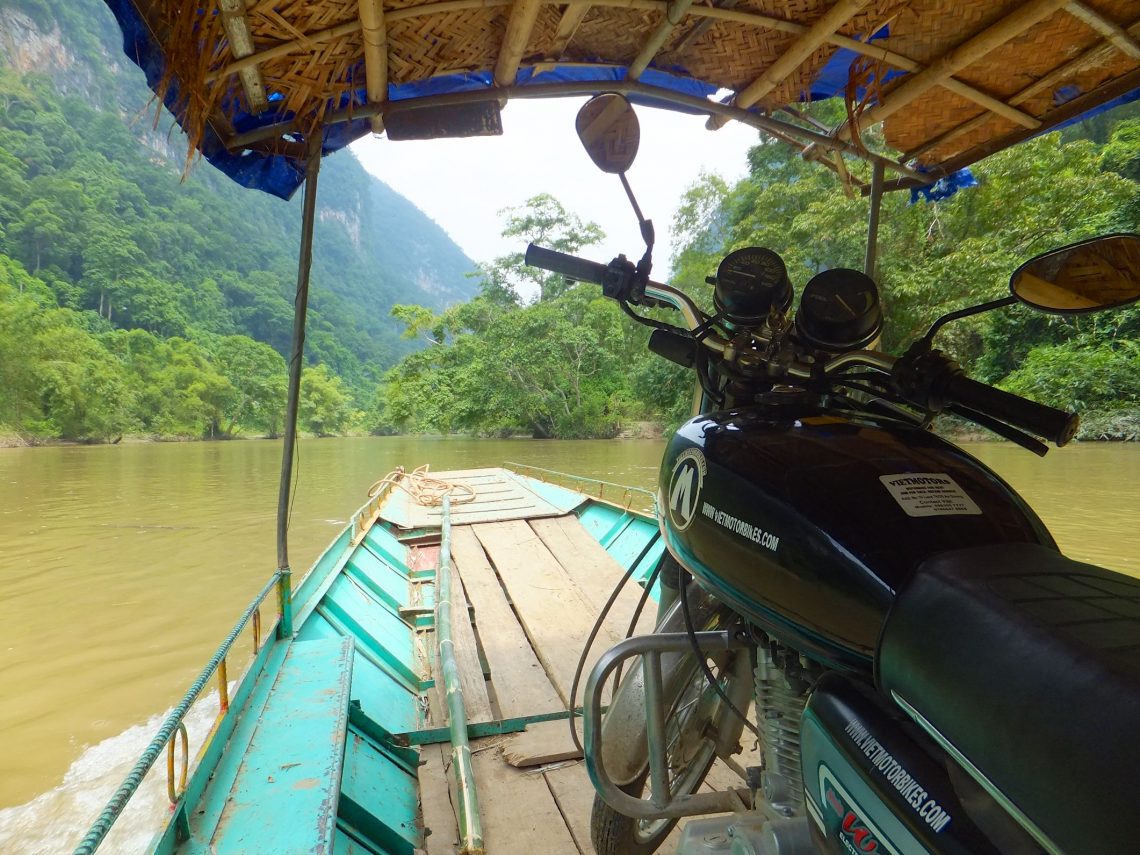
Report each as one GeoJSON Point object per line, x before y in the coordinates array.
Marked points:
{"type": "Point", "coordinates": [572, 364]}
{"type": "Point", "coordinates": [133, 301]}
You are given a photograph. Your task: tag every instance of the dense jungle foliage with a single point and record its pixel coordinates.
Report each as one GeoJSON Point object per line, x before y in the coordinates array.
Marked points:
{"type": "Point", "coordinates": [569, 364]}
{"type": "Point", "coordinates": [133, 302]}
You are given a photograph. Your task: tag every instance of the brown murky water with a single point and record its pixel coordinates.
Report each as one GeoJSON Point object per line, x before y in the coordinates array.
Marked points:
{"type": "Point", "coordinates": [122, 567]}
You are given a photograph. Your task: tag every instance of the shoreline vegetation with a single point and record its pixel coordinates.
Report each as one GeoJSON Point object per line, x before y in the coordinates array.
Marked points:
{"type": "Point", "coordinates": [634, 431]}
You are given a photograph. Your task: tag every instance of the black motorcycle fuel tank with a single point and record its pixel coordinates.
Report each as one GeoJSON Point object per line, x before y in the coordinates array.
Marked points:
{"type": "Point", "coordinates": [808, 522]}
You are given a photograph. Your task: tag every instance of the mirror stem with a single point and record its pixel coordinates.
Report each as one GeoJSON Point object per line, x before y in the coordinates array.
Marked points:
{"type": "Point", "coordinates": [965, 313]}
{"type": "Point", "coordinates": [646, 225]}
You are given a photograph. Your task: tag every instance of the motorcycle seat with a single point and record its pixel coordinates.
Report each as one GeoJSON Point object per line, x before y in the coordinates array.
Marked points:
{"type": "Point", "coordinates": [1027, 663]}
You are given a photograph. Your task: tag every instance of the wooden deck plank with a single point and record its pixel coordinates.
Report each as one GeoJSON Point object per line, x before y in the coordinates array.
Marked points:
{"type": "Point", "coordinates": [521, 685]}
{"type": "Point", "coordinates": [555, 613]}
{"type": "Point", "coordinates": [520, 815]}
{"type": "Point", "coordinates": [435, 803]}
{"type": "Point", "coordinates": [594, 571]}
{"type": "Point", "coordinates": [542, 743]}
{"type": "Point", "coordinates": [475, 699]}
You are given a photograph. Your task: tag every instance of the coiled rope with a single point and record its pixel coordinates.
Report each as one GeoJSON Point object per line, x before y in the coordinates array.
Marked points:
{"type": "Point", "coordinates": [424, 489]}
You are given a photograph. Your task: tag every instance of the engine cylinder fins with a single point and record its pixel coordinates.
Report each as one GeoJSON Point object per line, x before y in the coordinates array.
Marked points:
{"type": "Point", "coordinates": [780, 705]}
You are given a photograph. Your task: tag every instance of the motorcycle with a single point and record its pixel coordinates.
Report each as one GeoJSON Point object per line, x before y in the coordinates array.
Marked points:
{"type": "Point", "coordinates": [928, 672]}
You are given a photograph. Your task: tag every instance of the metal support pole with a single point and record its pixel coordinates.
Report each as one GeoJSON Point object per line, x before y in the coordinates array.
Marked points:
{"type": "Point", "coordinates": [467, 811]}
{"type": "Point", "coordinates": [872, 258]}
{"type": "Point", "coordinates": [296, 358]}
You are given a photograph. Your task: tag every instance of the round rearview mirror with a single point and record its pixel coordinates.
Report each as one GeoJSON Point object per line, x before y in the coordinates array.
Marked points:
{"type": "Point", "coordinates": [1101, 273]}
{"type": "Point", "coordinates": [608, 129]}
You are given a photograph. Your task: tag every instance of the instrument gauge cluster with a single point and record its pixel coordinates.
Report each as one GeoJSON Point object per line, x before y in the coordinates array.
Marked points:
{"type": "Point", "coordinates": [840, 310]}
{"type": "Point", "coordinates": [749, 283]}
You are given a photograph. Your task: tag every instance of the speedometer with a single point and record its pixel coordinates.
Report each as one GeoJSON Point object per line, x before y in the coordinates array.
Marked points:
{"type": "Point", "coordinates": [840, 310]}
{"type": "Point", "coordinates": [749, 282]}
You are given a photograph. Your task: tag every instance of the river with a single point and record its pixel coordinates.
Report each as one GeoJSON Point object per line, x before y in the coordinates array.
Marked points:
{"type": "Point", "coordinates": [124, 566]}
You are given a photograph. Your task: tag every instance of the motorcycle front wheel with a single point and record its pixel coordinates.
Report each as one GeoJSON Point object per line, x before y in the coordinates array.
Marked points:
{"type": "Point", "coordinates": [695, 716]}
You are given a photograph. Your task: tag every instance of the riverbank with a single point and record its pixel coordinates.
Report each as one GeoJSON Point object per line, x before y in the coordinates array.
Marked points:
{"type": "Point", "coordinates": [1095, 427]}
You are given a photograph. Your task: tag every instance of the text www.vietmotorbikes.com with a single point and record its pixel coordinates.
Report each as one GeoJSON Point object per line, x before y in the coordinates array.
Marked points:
{"type": "Point", "coordinates": [739, 526]}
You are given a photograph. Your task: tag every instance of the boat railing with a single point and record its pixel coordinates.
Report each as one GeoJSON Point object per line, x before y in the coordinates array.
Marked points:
{"type": "Point", "coordinates": [619, 495]}
{"type": "Point", "coordinates": [174, 724]}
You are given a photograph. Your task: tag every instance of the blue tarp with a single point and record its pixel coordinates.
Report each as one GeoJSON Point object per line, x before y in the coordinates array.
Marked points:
{"type": "Point", "coordinates": [281, 176]}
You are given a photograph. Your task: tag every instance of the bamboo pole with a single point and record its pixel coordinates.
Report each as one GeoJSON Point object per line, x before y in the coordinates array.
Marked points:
{"type": "Point", "coordinates": [973, 49]}
{"type": "Point", "coordinates": [1115, 88]}
{"type": "Point", "coordinates": [347, 29]}
{"type": "Point", "coordinates": [519, 27]}
{"type": "Point", "coordinates": [236, 26]}
{"type": "Point", "coordinates": [1115, 34]}
{"type": "Point", "coordinates": [467, 811]}
{"type": "Point", "coordinates": [871, 258]}
{"type": "Point", "coordinates": [296, 358]}
{"type": "Point", "coordinates": [375, 37]}
{"type": "Point", "coordinates": [568, 24]}
{"type": "Point", "coordinates": [804, 136]}
{"type": "Point", "coordinates": [794, 56]}
{"type": "Point", "coordinates": [674, 12]}
{"type": "Point", "coordinates": [1093, 56]}
{"type": "Point", "coordinates": [576, 11]}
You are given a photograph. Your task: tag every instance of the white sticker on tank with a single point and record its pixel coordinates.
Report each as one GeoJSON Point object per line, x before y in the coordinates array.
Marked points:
{"type": "Point", "coordinates": [929, 494]}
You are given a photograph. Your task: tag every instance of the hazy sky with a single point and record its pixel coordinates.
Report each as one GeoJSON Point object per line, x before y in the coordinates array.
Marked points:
{"type": "Point", "coordinates": [462, 184]}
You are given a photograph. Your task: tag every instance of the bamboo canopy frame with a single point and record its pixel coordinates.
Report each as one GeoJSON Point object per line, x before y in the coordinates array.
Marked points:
{"type": "Point", "coordinates": [950, 81]}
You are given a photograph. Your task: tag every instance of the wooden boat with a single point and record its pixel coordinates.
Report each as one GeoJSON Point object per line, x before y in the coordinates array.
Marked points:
{"type": "Point", "coordinates": [334, 740]}
{"type": "Point", "coordinates": [347, 735]}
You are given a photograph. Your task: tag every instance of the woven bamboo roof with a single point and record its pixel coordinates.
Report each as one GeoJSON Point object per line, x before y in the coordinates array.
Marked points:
{"type": "Point", "coordinates": [950, 80]}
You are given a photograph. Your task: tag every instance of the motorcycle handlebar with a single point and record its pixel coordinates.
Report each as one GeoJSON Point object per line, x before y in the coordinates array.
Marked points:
{"type": "Point", "coordinates": [1055, 425]}
{"type": "Point", "coordinates": [582, 270]}
{"type": "Point", "coordinates": [569, 266]}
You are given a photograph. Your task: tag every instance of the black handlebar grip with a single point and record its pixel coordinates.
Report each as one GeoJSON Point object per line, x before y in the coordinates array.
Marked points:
{"type": "Point", "coordinates": [570, 266]}
{"type": "Point", "coordinates": [1054, 425]}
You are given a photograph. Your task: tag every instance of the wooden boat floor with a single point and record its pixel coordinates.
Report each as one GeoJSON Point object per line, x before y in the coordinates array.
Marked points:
{"type": "Point", "coordinates": [534, 588]}
{"type": "Point", "coordinates": [498, 495]}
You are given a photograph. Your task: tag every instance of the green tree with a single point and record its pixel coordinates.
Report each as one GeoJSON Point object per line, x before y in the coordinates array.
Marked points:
{"type": "Point", "coordinates": [543, 220]}
{"type": "Point", "coordinates": [258, 375]}
{"type": "Point", "coordinates": [325, 406]}
{"type": "Point", "coordinates": [84, 392]}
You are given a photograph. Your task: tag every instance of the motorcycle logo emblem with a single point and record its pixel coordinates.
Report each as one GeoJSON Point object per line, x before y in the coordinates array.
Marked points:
{"type": "Point", "coordinates": [685, 487]}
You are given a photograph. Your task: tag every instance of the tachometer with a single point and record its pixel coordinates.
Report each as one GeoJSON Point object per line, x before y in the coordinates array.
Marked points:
{"type": "Point", "coordinates": [840, 310]}
{"type": "Point", "coordinates": [749, 282]}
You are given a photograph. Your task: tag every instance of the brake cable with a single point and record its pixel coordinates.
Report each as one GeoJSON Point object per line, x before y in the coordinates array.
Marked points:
{"type": "Point", "coordinates": [602, 615]}
{"type": "Point", "coordinates": [650, 322]}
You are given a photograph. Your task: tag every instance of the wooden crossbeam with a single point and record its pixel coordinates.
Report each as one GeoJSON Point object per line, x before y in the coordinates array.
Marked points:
{"type": "Point", "coordinates": [674, 12]}
{"type": "Point", "coordinates": [519, 27]}
{"type": "Point", "coordinates": [1094, 56]}
{"type": "Point", "coordinates": [793, 57]}
{"type": "Point", "coordinates": [572, 17]}
{"type": "Point", "coordinates": [375, 36]}
{"type": "Point", "coordinates": [1115, 34]}
{"type": "Point", "coordinates": [241, 45]}
{"type": "Point", "coordinates": [941, 70]}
